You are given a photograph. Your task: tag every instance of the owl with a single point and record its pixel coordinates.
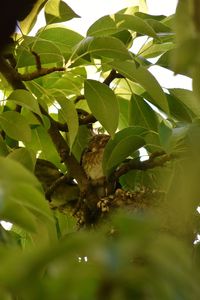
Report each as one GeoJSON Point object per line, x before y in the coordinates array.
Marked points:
{"type": "Point", "coordinates": [93, 156]}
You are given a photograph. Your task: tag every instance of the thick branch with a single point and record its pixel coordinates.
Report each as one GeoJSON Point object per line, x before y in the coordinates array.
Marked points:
{"type": "Point", "coordinates": [157, 159]}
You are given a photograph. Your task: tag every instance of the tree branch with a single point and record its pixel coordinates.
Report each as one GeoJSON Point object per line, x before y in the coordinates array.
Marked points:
{"type": "Point", "coordinates": [157, 159]}
{"type": "Point", "coordinates": [39, 73]}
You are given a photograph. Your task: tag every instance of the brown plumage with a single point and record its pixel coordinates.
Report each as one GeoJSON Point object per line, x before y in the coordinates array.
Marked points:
{"type": "Point", "coordinates": [93, 156]}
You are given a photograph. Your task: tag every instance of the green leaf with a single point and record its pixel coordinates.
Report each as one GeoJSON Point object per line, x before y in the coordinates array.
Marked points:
{"type": "Point", "coordinates": [102, 46]}
{"type": "Point", "coordinates": [134, 23]}
{"type": "Point", "coordinates": [13, 172]}
{"type": "Point", "coordinates": [20, 199]}
{"type": "Point", "coordinates": [3, 147]}
{"type": "Point", "coordinates": [103, 104]}
{"type": "Point", "coordinates": [81, 142]}
{"type": "Point", "coordinates": [141, 114]}
{"type": "Point", "coordinates": [42, 144]}
{"type": "Point", "coordinates": [179, 110]}
{"type": "Point", "coordinates": [15, 126]}
{"type": "Point", "coordinates": [108, 25]}
{"type": "Point", "coordinates": [25, 99]}
{"type": "Point", "coordinates": [69, 115]}
{"type": "Point", "coordinates": [124, 143]}
{"type": "Point", "coordinates": [152, 49]}
{"type": "Point", "coordinates": [48, 51]}
{"type": "Point", "coordinates": [31, 199]}
{"type": "Point", "coordinates": [145, 79]}
{"type": "Point", "coordinates": [27, 24]}
{"type": "Point", "coordinates": [102, 27]}
{"type": "Point", "coordinates": [57, 11]}
{"type": "Point", "coordinates": [64, 38]}
{"type": "Point", "coordinates": [188, 98]}
{"type": "Point", "coordinates": [17, 214]}
{"type": "Point", "coordinates": [123, 112]}
{"type": "Point", "coordinates": [125, 36]}
{"type": "Point", "coordinates": [165, 133]}
{"type": "Point", "coordinates": [23, 156]}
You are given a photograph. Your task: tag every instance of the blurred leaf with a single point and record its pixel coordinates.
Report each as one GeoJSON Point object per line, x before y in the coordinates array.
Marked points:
{"type": "Point", "coordinates": [178, 109]}
{"type": "Point", "coordinates": [15, 213]}
{"type": "Point", "coordinates": [124, 143]}
{"type": "Point", "coordinates": [12, 171]}
{"type": "Point", "coordinates": [23, 156]}
{"type": "Point", "coordinates": [15, 126]}
{"type": "Point", "coordinates": [187, 98]}
{"type": "Point", "coordinates": [165, 133]}
{"type": "Point", "coordinates": [103, 104]}
{"type": "Point", "coordinates": [3, 147]}
{"type": "Point", "coordinates": [57, 11]}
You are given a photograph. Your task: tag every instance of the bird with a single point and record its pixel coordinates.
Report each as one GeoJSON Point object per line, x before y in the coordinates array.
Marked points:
{"type": "Point", "coordinates": [93, 156]}
{"type": "Point", "coordinates": [91, 162]}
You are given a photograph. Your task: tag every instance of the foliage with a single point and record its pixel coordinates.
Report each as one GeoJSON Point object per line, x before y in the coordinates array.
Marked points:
{"type": "Point", "coordinates": [62, 95]}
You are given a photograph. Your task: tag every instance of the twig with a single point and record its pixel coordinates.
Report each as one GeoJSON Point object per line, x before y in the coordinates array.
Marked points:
{"type": "Point", "coordinates": [39, 73]}
{"type": "Point", "coordinates": [50, 190]}
{"type": "Point", "coordinates": [113, 75]}
{"type": "Point", "coordinates": [37, 60]}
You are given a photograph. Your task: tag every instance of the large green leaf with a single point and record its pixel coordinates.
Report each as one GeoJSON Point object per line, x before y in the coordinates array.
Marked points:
{"type": "Point", "coordinates": [17, 214]}
{"type": "Point", "coordinates": [15, 125]}
{"type": "Point", "coordinates": [102, 46]}
{"type": "Point", "coordinates": [13, 172]}
{"type": "Point", "coordinates": [69, 115]}
{"type": "Point", "coordinates": [124, 143]}
{"type": "Point", "coordinates": [23, 156]}
{"type": "Point", "coordinates": [21, 201]}
{"type": "Point", "coordinates": [42, 144]}
{"type": "Point", "coordinates": [179, 110]}
{"type": "Point", "coordinates": [57, 11]}
{"type": "Point", "coordinates": [47, 50]}
{"type": "Point", "coordinates": [141, 114]}
{"type": "Point", "coordinates": [31, 199]}
{"type": "Point", "coordinates": [25, 99]}
{"type": "Point", "coordinates": [103, 104]}
{"type": "Point", "coordinates": [108, 25]}
{"type": "Point", "coordinates": [142, 76]}
{"type": "Point", "coordinates": [64, 38]}
{"type": "Point", "coordinates": [188, 98]}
